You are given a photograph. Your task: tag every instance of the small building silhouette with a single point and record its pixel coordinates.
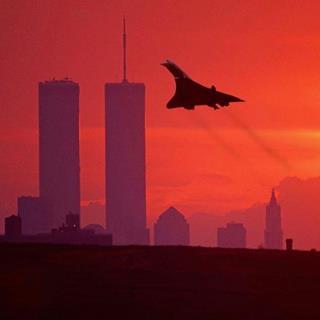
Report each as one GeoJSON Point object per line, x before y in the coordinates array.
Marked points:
{"type": "Point", "coordinates": [289, 244]}
{"type": "Point", "coordinates": [73, 221]}
{"type": "Point", "coordinates": [232, 236]}
{"type": "Point", "coordinates": [34, 213]}
{"type": "Point", "coordinates": [71, 225]}
{"type": "Point", "coordinates": [68, 233]}
{"type": "Point", "coordinates": [12, 227]}
{"type": "Point", "coordinates": [171, 228]}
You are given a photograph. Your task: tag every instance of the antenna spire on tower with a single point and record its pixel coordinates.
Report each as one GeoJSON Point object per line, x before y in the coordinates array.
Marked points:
{"type": "Point", "coordinates": [124, 43]}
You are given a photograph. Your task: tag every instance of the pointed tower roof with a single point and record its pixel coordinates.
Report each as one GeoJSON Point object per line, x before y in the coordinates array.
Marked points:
{"type": "Point", "coordinates": [273, 199]}
{"type": "Point", "coordinates": [172, 214]}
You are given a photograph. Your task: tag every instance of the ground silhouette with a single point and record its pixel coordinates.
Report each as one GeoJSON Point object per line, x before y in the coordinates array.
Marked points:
{"type": "Point", "coordinates": [73, 282]}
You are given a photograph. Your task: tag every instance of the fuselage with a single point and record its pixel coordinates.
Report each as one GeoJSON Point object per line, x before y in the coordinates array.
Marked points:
{"type": "Point", "coordinates": [190, 94]}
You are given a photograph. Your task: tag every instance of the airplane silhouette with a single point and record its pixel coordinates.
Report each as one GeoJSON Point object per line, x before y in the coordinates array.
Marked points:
{"type": "Point", "coordinates": [190, 93]}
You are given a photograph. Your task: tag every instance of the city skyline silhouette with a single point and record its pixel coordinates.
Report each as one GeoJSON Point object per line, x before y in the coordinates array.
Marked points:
{"type": "Point", "coordinates": [121, 198]}
{"type": "Point", "coordinates": [125, 168]}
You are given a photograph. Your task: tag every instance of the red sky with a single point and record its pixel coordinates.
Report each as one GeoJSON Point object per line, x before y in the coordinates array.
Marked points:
{"type": "Point", "coordinates": [266, 52]}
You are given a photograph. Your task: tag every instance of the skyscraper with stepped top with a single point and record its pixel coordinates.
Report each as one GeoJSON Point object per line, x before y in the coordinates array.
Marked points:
{"type": "Point", "coordinates": [125, 160]}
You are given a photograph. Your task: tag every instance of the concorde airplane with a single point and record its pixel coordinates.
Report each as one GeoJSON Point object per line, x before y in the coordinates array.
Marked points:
{"type": "Point", "coordinates": [190, 93]}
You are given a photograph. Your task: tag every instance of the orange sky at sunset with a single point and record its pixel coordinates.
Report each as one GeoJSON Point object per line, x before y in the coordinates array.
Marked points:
{"type": "Point", "coordinates": [266, 52]}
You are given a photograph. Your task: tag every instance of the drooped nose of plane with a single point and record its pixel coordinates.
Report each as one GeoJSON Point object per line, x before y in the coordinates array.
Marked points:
{"type": "Point", "coordinates": [165, 63]}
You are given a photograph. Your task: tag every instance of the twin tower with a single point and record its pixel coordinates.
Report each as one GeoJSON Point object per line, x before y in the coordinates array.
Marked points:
{"type": "Point", "coordinates": [125, 155]}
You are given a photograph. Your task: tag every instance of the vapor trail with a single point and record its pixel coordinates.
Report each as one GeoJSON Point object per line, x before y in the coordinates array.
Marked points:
{"type": "Point", "coordinates": [257, 139]}
{"type": "Point", "coordinates": [221, 141]}
{"type": "Point", "coordinates": [228, 148]}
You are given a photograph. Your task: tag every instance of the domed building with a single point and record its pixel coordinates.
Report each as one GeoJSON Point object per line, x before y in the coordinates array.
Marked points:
{"type": "Point", "coordinates": [97, 228]}
{"type": "Point", "coordinates": [171, 228]}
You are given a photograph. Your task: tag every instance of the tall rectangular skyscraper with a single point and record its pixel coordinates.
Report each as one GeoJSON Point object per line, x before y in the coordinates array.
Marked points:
{"type": "Point", "coordinates": [59, 148]}
{"type": "Point", "coordinates": [125, 159]}
{"type": "Point", "coordinates": [125, 163]}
